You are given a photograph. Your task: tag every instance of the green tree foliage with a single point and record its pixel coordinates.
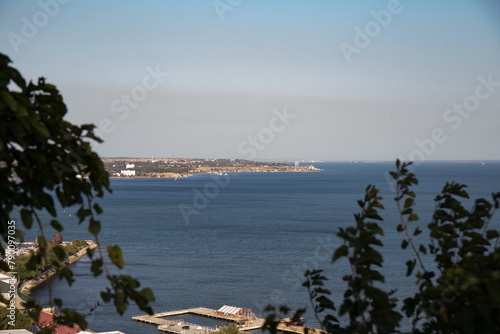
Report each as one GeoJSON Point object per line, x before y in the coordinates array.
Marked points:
{"type": "Point", "coordinates": [231, 329]}
{"type": "Point", "coordinates": [75, 247]}
{"type": "Point", "coordinates": [27, 270]}
{"type": "Point", "coordinates": [456, 272]}
{"type": "Point", "coordinates": [46, 162]}
{"type": "Point", "coordinates": [20, 320]}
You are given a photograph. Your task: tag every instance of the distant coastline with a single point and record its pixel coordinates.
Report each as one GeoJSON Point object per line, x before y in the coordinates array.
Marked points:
{"type": "Point", "coordinates": [152, 177]}
{"type": "Point", "coordinates": [175, 168]}
{"type": "Point", "coordinates": [125, 168]}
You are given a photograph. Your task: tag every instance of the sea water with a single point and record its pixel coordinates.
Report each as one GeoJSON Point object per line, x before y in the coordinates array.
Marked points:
{"type": "Point", "coordinates": [245, 239]}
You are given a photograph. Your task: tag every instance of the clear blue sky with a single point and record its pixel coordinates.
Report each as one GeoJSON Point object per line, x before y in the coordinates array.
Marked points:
{"type": "Point", "coordinates": [359, 80]}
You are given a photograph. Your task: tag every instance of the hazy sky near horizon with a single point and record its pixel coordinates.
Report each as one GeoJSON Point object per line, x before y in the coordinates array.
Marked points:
{"type": "Point", "coordinates": [255, 79]}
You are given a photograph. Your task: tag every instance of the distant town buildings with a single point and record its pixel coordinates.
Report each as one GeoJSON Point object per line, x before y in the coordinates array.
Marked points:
{"type": "Point", "coordinates": [127, 172]}
{"type": "Point", "coordinates": [183, 167]}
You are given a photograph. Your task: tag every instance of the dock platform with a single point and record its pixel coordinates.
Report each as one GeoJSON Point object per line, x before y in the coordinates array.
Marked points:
{"type": "Point", "coordinates": [244, 322]}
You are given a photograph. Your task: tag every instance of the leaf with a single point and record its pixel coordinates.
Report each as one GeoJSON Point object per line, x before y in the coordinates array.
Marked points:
{"type": "Point", "coordinates": [82, 213]}
{"type": "Point", "coordinates": [106, 296]}
{"type": "Point", "coordinates": [115, 254]}
{"type": "Point", "coordinates": [27, 218]}
{"type": "Point", "coordinates": [40, 128]}
{"type": "Point", "coordinates": [11, 103]}
{"type": "Point", "coordinates": [412, 217]}
{"type": "Point", "coordinates": [58, 302]}
{"type": "Point", "coordinates": [94, 227]}
{"type": "Point", "coordinates": [59, 252]}
{"type": "Point", "coordinates": [325, 303]}
{"type": "Point", "coordinates": [408, 202]}
{"type": "Point", "coordinates": [56, 225]}
{"type": "Point", "coordinates": [410, 264]}
{"type": "Point", "coordinates": [97, 209]}
{"type": "Point", "coordinates": [492, 234]}
{"type": "Point", "coordinates": [342, 251]}
{"type": "Point", "coordinates": [96, 267]}
{"type": "Point", "coordinates": [66, 273]}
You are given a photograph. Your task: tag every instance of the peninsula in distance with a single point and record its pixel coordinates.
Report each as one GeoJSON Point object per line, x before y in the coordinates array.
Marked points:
{"type": "Point", "coordinates": [184, 167]}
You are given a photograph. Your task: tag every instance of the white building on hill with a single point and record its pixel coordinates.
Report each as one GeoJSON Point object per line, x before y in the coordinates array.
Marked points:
{"type": "Point", "coordinates": [127, 172]}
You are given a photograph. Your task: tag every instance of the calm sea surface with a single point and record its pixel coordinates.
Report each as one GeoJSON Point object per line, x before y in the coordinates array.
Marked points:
{"type": "Point", "coordinates": [245, 239]}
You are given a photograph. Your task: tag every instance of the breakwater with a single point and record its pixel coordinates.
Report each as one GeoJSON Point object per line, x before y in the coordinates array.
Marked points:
{"type": "Point", "coordinates": [28, 285]}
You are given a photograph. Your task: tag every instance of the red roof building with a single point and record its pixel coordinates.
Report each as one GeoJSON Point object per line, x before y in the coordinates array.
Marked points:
{"type": "Point", "coordinates": [47, 319]}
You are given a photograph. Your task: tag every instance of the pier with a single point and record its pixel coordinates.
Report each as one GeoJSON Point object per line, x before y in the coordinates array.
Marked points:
{"type": "Point", "coordinates": [244, 319]}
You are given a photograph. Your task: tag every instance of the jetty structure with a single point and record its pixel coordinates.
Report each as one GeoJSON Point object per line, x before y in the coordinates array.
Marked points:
{"type": "Point", "coordinates": [243, 318]}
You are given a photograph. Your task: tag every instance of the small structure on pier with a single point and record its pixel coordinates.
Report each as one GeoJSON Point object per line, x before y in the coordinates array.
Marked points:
{"type": "Point", "coordinates": [229, 310]}
{"type": "Point", "coordinates": [236, 311]}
